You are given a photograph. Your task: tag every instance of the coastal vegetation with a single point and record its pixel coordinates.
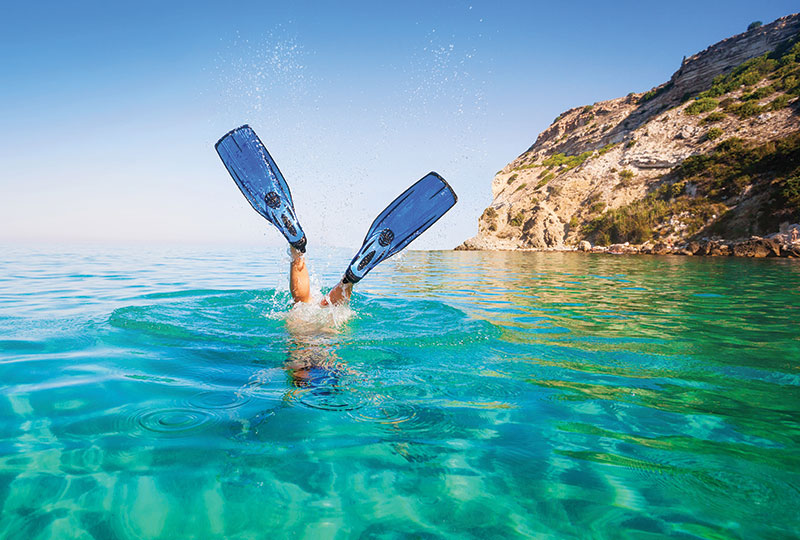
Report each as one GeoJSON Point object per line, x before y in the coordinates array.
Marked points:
{"type": "Point", "coordinates": [781, 67]}
{"type": "Point", "coordinates": [718, 178]}
{"type": "Point", "coordinates": [722, 175]}
{"type": "Point", "coordinates": [490, 217]}
{"type": "Point", "coordinates": [738, 124]}
{"type": "Point", "coordinates": [655, 92]}
{"type": "Point", "coordinates": [715, 116]}
{"type": "Point", "coordinates": [567, 162]}
{"type": "Point", "coordinates": [606, 148]}
{"type": "Point", "coordinates": [518, 219]}
{"type": "Point", "coordinates": [702, 105]}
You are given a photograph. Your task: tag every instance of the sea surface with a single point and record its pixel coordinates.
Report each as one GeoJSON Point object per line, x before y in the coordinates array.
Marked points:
{"type": "Point", "coordinates": [173, 393]}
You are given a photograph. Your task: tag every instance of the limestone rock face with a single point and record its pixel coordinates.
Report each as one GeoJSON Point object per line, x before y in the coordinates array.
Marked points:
{"type": "Point", "coordinates": [601, 157]}
{"type": "Point", "coordinates": [758, 247]}
{"type": "Point", "coordinates": [543, 230]}
{"type": "Point", "coordinates": [697, 71]}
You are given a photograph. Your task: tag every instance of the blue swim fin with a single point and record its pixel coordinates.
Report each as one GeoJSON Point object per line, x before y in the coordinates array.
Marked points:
{"type": "Point", "coordinates": [409, 215]}
{"type": "Point", "coordinates": [261, 182]}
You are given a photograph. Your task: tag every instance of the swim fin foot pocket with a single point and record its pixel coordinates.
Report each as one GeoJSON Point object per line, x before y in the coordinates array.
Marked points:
{"type": "Point", "coordinates": [261, 182]}
{"type": "Point", "coordinates": [263, 185]}
{"type": "Point", "coordinates": [408, 216]}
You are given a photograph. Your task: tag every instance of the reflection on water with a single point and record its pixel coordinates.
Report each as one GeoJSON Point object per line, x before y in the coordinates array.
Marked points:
{"type": "Point", "coordinates": [486, 395]}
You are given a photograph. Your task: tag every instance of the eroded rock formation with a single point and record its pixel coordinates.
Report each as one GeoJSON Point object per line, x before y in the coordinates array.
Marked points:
{"type": "Point", "coordinates": [599, 158]}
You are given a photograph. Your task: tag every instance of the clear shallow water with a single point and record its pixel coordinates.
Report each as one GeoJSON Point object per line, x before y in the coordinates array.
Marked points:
{"type": "Point", "coordinates": [156, 394]}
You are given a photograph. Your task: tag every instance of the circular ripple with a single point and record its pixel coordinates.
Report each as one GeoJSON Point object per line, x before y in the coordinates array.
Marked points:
{"type": "Point", "coordinates": [219, 400]}
{"type": "Point", "coordinates": [386, 413]}
{"type": "Point", "coordinates": [328, 398]}
{"type": "Point", "coordinates": [177, 422]}
{"type": "Point", "coordinates": [409, 418]}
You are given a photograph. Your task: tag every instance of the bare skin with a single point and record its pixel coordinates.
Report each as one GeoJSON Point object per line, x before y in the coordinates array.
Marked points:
{"type": "Point", "coordinates": [340, 294]}
{"type": "Point", "coordinates": [300, 284]}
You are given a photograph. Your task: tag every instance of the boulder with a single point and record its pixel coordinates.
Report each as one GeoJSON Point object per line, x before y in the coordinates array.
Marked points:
{"type": "Point", "coordinates": [719, 250]}
{"type": "Point", "coordinates": [791, 250]}
{"type": "Point", "coordinates": [543, 229]}
{"type": "Point", "coordinates": [757, 247]}
{"type": "Point", "coordinates": [583, 245]}
{"type": "Point", "coordinates": [705, 248]}
{"type": "Point", "coordinates": [661, 249]}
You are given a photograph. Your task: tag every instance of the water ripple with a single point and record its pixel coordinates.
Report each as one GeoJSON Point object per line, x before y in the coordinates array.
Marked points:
{"type": "Point", "coordinates": [173, 422]}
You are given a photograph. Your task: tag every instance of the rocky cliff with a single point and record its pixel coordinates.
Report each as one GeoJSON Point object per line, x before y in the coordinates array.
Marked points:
{"type": "Point", "coordinates": [712, 153]}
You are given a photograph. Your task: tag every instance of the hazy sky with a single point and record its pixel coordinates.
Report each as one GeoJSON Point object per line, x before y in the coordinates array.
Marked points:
{"type": "Point", "coordinates": [109, 111]}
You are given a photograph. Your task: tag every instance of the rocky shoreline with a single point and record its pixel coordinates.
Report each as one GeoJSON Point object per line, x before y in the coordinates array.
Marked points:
{"type": "Point", "coordinates": [777, 245]}
{"type": "Point", "coordinates": [699, 164]}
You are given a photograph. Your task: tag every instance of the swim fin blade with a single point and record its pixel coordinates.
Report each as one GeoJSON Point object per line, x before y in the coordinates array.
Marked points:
{"type": "Point", "coordinates": [409, 215]}
{"type": "Point", "coordinates": [261, 182]}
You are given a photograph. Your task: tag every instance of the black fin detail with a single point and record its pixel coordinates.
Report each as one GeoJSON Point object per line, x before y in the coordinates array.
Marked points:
{"type": "Point", "coordinates": [288, 225]}
{"type": "Point", "coordinates": [272, 199]}
{"type": "Point", "coordinates": [300, 245]}
{"type": "Point", "coordinates": [365, 261]}
{"type": "Point", "coordinates": [350, 277]}
{"type": "Point", "coordinates": [386, 237]}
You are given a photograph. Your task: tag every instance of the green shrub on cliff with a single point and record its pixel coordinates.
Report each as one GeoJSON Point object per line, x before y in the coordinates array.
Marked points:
{"type": "Point", "coordinates": [606, 148]}
{"type": "Point", "coordinates": [782, 66]}
{"type": "Point", "coordinates": [772, 170]}
{"type": "Point", "coordinates": [713, 133]}
{"type": "Point", "coordinates": [631, 223]}
{"type": "Point", "coordinates": [655, 92]}
{"type": "Point", "coordinates": [512, 178]}
{"type": "Point", "coordinates": [790, 191]}
{"type": "Point", "coordinates": [746, 109]}
{"type": "Point", "coordinates": [761, 93]}
{"type": "Point", "coordinates": [702, 105]}
{"type": "Point", "coordinates": [715, 116]}
{"type": "Point", "coordinates": [518, 219]}
{"type": "Point", "coordinates": [597, 207]}
{"type": "Point", "coordinates": [637, 222]}
{"type": "Point", "coordinates": [734, 164]}
{"type": "Point", "coordinates": [778, 103]}
{"type": "Point", "coordinates": [568, 162]}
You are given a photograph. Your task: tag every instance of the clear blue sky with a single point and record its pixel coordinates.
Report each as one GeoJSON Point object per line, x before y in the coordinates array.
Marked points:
{"type": "Point", "coordinates": [109, 111]}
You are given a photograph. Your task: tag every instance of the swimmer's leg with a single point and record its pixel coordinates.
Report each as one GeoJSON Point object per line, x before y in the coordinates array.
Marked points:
{"type": "Point", "coordinates": [340, 294]}
{"type": "Point", "coordinates": [299, 283]}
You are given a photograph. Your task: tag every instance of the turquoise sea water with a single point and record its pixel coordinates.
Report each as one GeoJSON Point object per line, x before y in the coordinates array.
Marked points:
{"type": "Point", "coordinates": [172, 394]}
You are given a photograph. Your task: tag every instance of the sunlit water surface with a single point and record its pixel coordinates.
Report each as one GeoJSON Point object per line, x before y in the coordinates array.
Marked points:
{"type": "Point", "coordinates": [172, 394]}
